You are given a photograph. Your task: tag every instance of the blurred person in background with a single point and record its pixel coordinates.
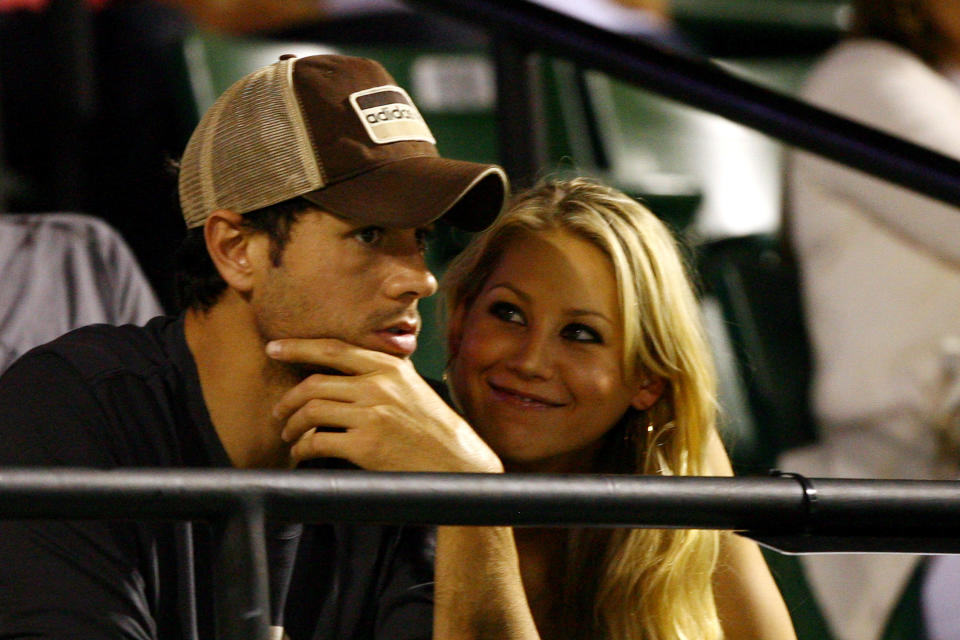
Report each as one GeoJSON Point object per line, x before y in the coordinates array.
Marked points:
{"type": "Point", "coordinates": [63, 271]}
{"type": "Point", "coordinates": [880, 269]}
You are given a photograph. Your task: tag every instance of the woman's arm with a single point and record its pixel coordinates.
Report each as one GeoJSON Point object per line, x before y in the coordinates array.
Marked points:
{"type": "Point", "coordinates": [748, 600]}
{"type": "Point", "coordinates": [479, 593]}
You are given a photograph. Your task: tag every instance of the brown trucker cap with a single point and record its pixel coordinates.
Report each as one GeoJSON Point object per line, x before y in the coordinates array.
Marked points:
{"type": "Point", "coordinates": [337, 131]}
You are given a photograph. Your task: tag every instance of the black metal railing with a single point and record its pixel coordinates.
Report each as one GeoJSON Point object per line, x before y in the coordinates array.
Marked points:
{"type": "Point", "coordinates": [530, 28]}
{"type": "Point", "coordinates": [789, 513]}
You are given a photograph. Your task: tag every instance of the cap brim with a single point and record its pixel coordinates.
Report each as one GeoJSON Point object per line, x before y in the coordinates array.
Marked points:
{"type": "Point", "coordinates": [415, 191]}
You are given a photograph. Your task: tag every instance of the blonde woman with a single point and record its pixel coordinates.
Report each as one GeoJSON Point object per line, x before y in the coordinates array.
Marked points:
{"type": "Point", "coordinates": [576, 346]}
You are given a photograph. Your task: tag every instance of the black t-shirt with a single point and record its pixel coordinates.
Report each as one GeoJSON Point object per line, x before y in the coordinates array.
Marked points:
{"type": "Point", "coordinates": [107, 397]}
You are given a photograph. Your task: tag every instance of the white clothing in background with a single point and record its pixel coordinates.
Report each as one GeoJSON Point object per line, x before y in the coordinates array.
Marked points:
{"type": "Point", "coordinates": [880, 268]}
{"type": "Point", "coordinates": [63, 271]}
{"type": "Point", "coordinates": [941, 614]}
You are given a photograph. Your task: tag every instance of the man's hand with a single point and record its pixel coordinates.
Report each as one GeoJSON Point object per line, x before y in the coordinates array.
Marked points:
{"type": "Point", "coordinates": [380, 414]}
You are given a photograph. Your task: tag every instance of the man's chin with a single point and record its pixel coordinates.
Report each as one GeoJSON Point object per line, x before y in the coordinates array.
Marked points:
{"type": "Point", "coordinates": [398, 345]}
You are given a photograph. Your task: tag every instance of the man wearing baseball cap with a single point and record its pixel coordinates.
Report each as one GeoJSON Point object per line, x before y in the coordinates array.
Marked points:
{"type": "Point", "coordinates": [307, 189]}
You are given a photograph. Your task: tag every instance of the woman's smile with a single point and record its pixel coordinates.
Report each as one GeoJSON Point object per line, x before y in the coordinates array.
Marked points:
{"type": "Point", "coordinates": [539, 362]}
{"type": "Point", "coordinates": [524, 399]}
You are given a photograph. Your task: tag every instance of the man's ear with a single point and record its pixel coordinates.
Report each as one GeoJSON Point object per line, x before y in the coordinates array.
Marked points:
{"type": "Point", "coordinates": [228, 243]}
{"type": "Point", "coordinates": [649, 391]}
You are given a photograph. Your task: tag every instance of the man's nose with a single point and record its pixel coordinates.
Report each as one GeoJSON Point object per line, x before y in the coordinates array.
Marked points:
{"type": "Point", "coordinates": [411, 279]}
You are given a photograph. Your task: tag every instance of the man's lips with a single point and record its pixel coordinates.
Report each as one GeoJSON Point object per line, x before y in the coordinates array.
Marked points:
{"type": "Point", "coordinates": [399, 338]}
{"type": "Point", "coordinates": [522, 398]}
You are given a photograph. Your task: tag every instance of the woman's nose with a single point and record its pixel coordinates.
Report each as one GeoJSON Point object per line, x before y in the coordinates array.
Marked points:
{"type": "Point", "coordinates": [532, 357]}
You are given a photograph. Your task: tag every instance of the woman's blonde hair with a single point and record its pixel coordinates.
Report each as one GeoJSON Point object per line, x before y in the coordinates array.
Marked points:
{"type": "Point", "coordinates": [651, 584]}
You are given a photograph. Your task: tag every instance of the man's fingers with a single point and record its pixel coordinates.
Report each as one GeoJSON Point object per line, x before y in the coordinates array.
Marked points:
{"type": "Point", "coordinates": [334, 437]}
{"type": "Point", "coordinates": [325, 414]}
{"type": "Point", "coordinates": [317, 444]}
{"type": "Point", "coordinates": [327, 352]}
{"type": "Point", "coordinates": [320, 386]}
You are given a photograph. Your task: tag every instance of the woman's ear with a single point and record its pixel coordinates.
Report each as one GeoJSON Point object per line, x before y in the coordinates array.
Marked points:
{"type": "Point", "coordinates": [649, 391]}
{"type": "Point", "coordinates": [228, 243]}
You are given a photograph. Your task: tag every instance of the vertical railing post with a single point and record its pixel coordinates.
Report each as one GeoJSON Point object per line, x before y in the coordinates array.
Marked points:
{"type": "Point", "coordinates": [521, 120]}
{"type": "Point", "coordinates": [241, 576]}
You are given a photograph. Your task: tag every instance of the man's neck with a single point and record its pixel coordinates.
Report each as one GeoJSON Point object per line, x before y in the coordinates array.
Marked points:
{"type": "Point", "coordinates": [239, 383]}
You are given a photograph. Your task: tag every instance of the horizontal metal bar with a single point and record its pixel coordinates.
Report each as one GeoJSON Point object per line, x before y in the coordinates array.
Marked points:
{"type": "Point", "coordinates": [703, 84]}
{"type": "Point", "coordinates": [429, 498]}
{"type": "Point", "coordinates": [904, 516]}
{"type": "Point", "coordinates": [791, 515]}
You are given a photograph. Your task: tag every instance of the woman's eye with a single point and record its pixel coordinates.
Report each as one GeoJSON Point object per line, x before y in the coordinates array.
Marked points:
{"type": "Point", "coordinates": [369, 235]}
{"type": "Point", "coordinates": [506, 312]}
{"type": "Point", "coordinates": [581, 333]}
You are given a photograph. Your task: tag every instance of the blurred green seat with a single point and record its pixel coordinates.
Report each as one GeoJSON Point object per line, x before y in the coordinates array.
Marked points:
{"type": "Point", "coordinates": [652, 145]}
{"type": "Point", "coordinates": [808, 619]}
{"type": "Point", "coordinates": [906, 620]}
{"type": "Point", "coordinates": [757, 285]}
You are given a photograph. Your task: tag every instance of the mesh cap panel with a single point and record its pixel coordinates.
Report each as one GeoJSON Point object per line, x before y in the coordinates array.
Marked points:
{"type": "Point", "coordinates": [250, 150]}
